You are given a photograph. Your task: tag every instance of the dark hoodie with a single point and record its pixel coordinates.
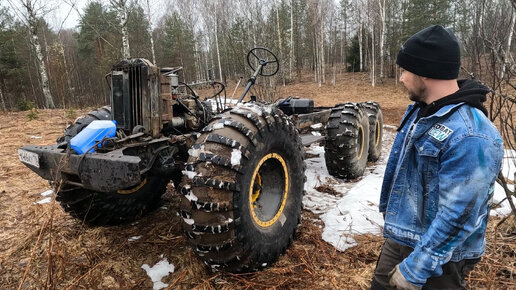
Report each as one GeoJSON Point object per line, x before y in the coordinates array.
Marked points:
{"type": "Point", "coordinates": [470, 92]}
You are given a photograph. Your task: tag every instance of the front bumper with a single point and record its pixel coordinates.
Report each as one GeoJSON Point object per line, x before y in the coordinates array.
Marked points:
{"type": "Point", "coordinates": [103, 172]}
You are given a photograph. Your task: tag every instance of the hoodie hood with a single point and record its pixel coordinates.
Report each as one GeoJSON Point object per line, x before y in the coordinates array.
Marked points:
{"type": "Point", "coordinates": [470, 92]}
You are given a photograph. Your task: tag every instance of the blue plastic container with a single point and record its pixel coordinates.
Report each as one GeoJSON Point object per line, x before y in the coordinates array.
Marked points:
{"type": "Point", "coordinates": [94, 132]}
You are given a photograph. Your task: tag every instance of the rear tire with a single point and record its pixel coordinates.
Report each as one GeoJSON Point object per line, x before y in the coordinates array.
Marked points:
{"type": "Point", "coordinates": [347, 141]}
{"type": "Point", "coordinates": [108, 208]}
{"type": "Point", "coordinates": [242, 189]}
{"type": "Point", "coordinates": [375, 115]}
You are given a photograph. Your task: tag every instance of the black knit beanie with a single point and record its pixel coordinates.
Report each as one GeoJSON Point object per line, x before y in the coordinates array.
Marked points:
{"type": "Point", "coordinates": [432, 52]}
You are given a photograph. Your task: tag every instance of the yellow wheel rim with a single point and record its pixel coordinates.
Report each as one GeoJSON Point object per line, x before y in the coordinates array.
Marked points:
{"type": "Point", "coordinates": [361, 139]}
{"type": "Point", "coordinates": [266, 201]}
{"type": "Point", "coordinates": [377, 134]}
{"type": "Point", "coordinates": [132, 189]}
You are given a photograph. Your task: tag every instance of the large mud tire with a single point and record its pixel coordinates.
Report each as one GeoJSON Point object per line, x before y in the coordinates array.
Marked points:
{"type": "Point", "coordinates": [242, 189]}
{"type": "Point", "coordinates": [108, 208]}
{"type": "Point", "coordinates": [81, 122]}
{"type": "Point", "coordinates": [347, 141]}
{"type": "Point", "coordinates": [113, 208]}
{"type": "Point", "coordinates": [375, 116]}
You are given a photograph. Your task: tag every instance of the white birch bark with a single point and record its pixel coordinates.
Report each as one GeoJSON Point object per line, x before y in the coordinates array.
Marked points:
{"type": "Point", "coordinates": [381, 3]}
{"type": "Point", "coordinates": [2, 100]}
{"type": "Point", "coordinates": [373, 60]}
{"type": "Point", "coordinates": [126, 53]}
{"type": "Point", "coordinates": [218, 51]}
{"type": "Point", "coordinates": [280, 45]}
{"type": "Point", "coordinates": [360, 46]}
{"type": "Point", "coordinates": [507, 50]}
{"type": "Point", "coordinates": [32, 22]}
{"type": "Point", "coordinates": [291, 57]}
{"type": "Point", "coordinates": [323, 79]}
{"type": "Point", "coordinates": [150, 33]}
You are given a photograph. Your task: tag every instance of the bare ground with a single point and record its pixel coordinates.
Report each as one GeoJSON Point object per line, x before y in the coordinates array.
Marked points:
{"type": "Point", "coordinates": [42, 247]}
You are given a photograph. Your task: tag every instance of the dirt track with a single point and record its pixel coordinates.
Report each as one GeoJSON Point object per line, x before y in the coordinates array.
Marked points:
{"type": "Point", "coordinates": [44, 247]}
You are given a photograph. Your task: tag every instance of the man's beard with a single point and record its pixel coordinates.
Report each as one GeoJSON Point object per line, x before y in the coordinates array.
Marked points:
{"type": "Point", "coordinates": [419, 93]}
{"type": "Point", "coordinates": [417, 96]}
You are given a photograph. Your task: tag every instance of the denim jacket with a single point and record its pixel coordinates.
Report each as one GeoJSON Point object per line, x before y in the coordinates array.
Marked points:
{"type": "Point", "coordinates": [438, 181]}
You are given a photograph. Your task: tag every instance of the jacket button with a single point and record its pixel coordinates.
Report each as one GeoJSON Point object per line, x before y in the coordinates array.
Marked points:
{"type": "Point", "coordinates": [421, 148]}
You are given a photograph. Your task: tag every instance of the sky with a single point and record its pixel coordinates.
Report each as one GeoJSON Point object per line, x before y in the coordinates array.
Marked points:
{"type": "Point", "coordinates": [65, 14]}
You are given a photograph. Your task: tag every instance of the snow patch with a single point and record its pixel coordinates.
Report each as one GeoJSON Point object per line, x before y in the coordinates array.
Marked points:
{"type": "Point", "coordinates": [254, 108]}
{"type": "Point", "coordinates": [45, 200]}
{"type": "Point", "coordinates": [158, 271]}
{"type": "Point", "coordinates": [191, 197]}
{"type": "Point", "coordinates": [135, 238]}
{"type": "Point", "coordinates": [236, 155]}
{"type": "Point", "coordinates": [499, 196]}
{"type": "Point", "coordinates": [47, 193]}
{"type": "Point", "coordinates": [189, 221]}
{"type": "Point", "coordinates": [218, 126]}
{"type": "Point", "coordinates": [356, 213]}
{"type": "Point", "coordinates": [190, 174]}
{"type": "Point", "coordinates": [316, 126]}
{"type": "Point", "coordinates": [196, 152]}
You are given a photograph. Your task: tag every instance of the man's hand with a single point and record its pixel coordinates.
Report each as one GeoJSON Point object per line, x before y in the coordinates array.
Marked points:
{"type": "Point", "coordinates": [398, 281]}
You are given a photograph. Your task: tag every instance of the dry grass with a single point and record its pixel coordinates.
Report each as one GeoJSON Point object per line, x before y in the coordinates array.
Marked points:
{"type": "Point", "coordinates": [42, 247]}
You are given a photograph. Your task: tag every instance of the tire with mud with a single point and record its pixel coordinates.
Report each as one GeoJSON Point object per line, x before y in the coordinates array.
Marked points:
{"type": "Point", "coordinates": [347, 141]}
{"type": "Point", "coordinates": [81, 122]}
{"type": "Point", "coordinates": [112, 208]}
{"type": "Point", "coordinates": [242, 190]}
{"type": "Point", "coordinates": [108, 208]}
{"type": "Point", "coordinates": [375, 115]}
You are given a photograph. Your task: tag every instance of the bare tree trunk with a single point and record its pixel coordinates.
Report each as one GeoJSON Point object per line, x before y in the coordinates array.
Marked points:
{"type": "Point", "coordinates": [507, 51]}
{"type": "Point", "coordinates": [121, 6]}
{"type": "Point", "coordinates": [150, 34]}
{"type": "Point", "coordinates": [2, 100]}
{"type": "Point", "coordinates": [373, 67]}
{"type": "Point", "coordinates": [280, 45]}
{"type": "Point", "coordinates": [323, 77]}
{"type": "Point", "coordinates": [218, 51]}
{"type": "Point", "coordinates": [68, 78]}
{"type": "Point", "coordinates": [381, 3]}
{"type": "Point", "coordinates": [360, 46]}
{"type": "Point", "coordinates": [32, 21]}
{"type": "Point", "coordinates": [291, 56]}
{"type": "Point", "coordinates": [126, 53]}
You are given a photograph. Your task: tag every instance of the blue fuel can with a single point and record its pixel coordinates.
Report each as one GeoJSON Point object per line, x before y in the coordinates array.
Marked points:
{"type": "Point", "coordinates": [94, 132]}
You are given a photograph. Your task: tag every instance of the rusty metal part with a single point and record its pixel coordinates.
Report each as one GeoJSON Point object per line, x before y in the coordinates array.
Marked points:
{"type": "Point", "coordinates": [304, 121]}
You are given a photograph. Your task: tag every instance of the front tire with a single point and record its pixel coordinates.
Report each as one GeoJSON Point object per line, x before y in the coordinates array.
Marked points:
{"type": "Point", "coordinates": [112, 208]}
{"type": "Point", "coordinates": [242, 191]}
{"type": "Point", "coordinates": [108, 208]}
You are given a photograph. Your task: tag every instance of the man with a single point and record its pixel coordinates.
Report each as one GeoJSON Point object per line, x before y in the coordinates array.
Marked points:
{"type": "Point", "coordinates": [441, 171]}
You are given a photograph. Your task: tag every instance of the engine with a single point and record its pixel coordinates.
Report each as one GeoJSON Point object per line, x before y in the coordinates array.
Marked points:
{"type": "Point", "coordinates": [145, 98]}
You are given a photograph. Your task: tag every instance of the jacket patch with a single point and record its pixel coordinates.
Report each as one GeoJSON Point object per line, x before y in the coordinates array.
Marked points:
{"type": "Point", "coordinates": [440, 132]}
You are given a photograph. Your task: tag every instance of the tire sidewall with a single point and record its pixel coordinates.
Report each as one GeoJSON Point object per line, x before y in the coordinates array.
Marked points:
{"type": "Point", "coordinates": [276, 236]}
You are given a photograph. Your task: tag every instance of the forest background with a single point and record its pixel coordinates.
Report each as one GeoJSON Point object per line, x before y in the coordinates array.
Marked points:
{"type": "Point", "coordinates": [45, 67]}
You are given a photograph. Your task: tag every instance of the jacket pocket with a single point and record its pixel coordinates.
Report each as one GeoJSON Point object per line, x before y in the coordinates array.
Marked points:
{"type": "Point", "coordinates": [428, 153]}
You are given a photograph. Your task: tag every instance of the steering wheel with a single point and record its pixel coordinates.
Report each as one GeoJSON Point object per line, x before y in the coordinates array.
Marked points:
{"type": "Point", "coordinates": [260, 57]}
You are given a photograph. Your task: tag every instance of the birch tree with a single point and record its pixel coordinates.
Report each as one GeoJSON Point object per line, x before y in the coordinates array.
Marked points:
{"type": "Point", "coordinates": [121, 7]}
{"type": "Point", "coordinates": [381, 5]}
{"type": "Point", "coordinates": [150, 33]}
{"type": "Point", "coordinates": [32, 23]}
